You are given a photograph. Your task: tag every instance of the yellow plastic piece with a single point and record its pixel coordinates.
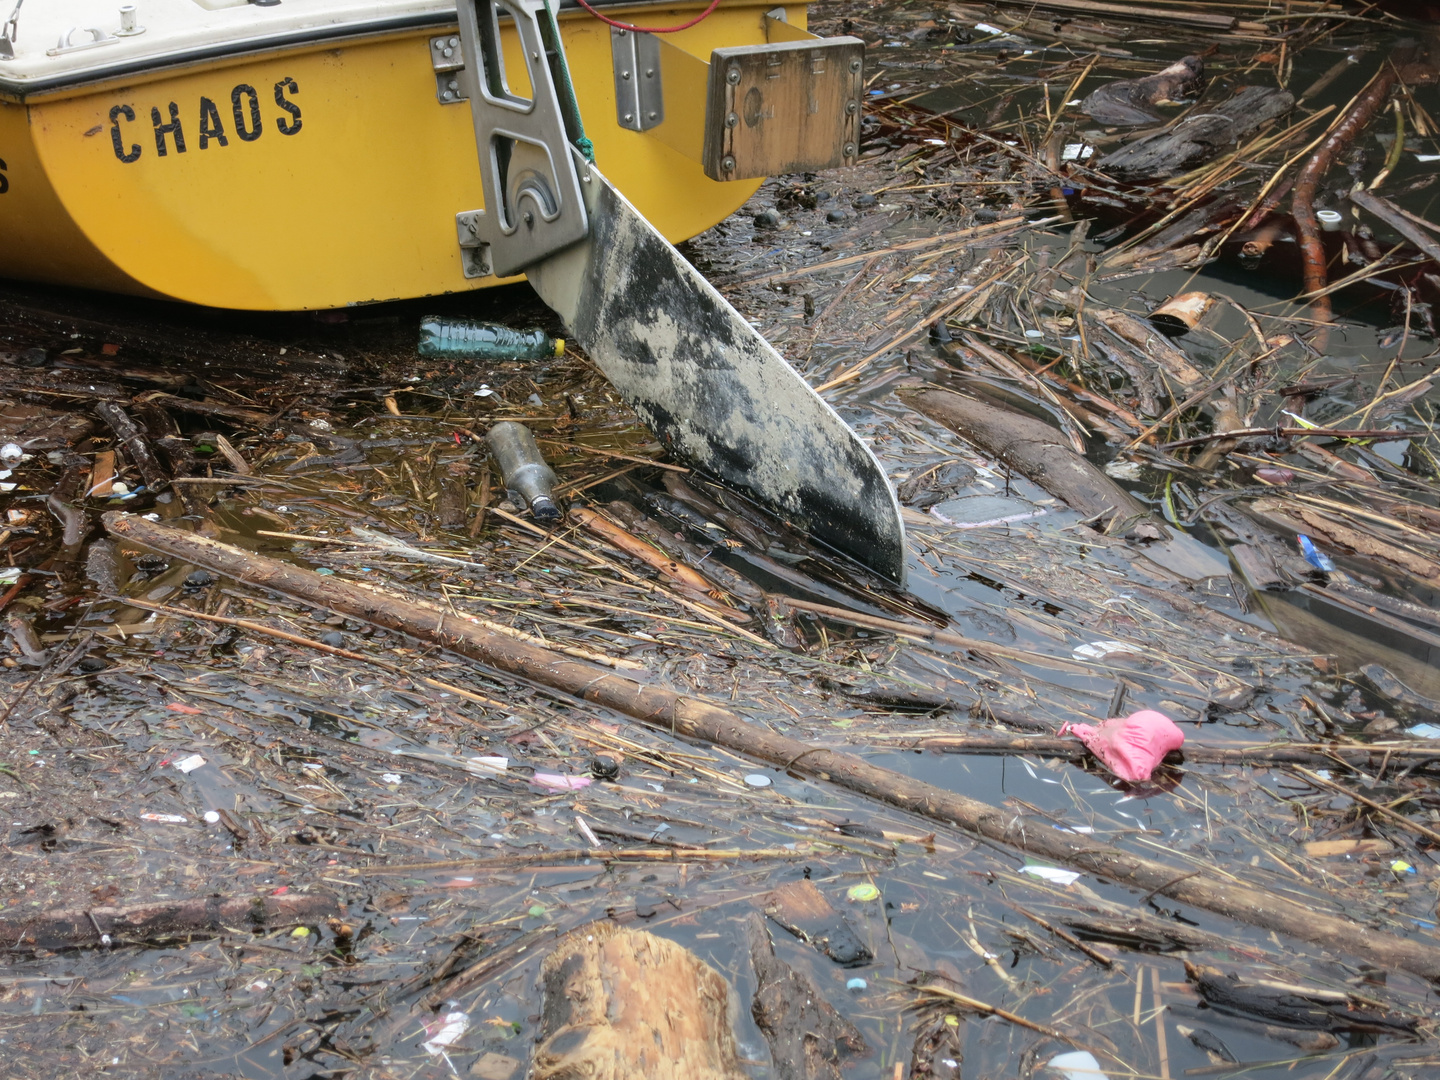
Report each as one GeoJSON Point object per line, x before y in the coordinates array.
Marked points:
{"type": "Point", "coordinates": [559, 346]}
{"type": "Point", "coordinates": [345, 193]}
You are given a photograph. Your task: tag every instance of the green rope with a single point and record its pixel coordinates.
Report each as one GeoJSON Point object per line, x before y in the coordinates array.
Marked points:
{"type": "Point", "coordinates": [568, 102]}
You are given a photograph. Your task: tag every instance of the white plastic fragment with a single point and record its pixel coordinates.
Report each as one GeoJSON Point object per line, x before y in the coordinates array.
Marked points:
{"type": "Point", "coordinates": [986, 28]}
{"type": "Point", "coordinates": [487, 763]}
{"type": "Point", "coordinates": [445, 1032]}
{"type": "Point", "coordinates": [11, 453]}
{"type": "Point", "coordinates": [164, 819]}
{"type": "Point", "coordinates": [756, 779]}
{"type": "Point", "coordinates": [189, 764]}
{"type": "Point", "coordinates": [390, 777]}
{"type": "Point", "coordinates": [1099, 650]}
{"type": "Point", "coordinates": [1076, 1065]}
{"type": "Point", "coordinates": [557, 782]}
{"type": "Point", "coordinates": [1052, 874]}
{"type": "Point", "coordinates": [1076, 151]}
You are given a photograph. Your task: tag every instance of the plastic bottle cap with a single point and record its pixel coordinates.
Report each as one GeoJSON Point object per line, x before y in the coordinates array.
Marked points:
{"type": "Point", "coordinates": [559, 346]}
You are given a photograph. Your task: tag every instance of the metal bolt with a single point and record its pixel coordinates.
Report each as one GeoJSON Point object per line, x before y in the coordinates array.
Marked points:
{"type": "Point", "coordinates": [849, 149]}
{"type": "Point", "coordinates": [448, 95]}
{"type": "Point", "coordinates": [535, 56]}
{"type": "Point", "coordinates": [453, 84]}
{"type": "Point", "coordinates": [731, 120]}
{"type": "Point", "coordinates": [728, 163]}
{"type": "Point", "coordinates": [629, 118]}
{"type": "Point", "coordinates": [855, 65]}
{"type": "Point", "coordinates": [654, 115]}
{"type": "Point", "coordinates": [732, 76]}
{"type": "Point", "coordinates": [852, 107]}
{"type": "Point", "coordinates": [528, 218]}
{"type": "Point", "coordinates": [454, 41]}
{"type": "Point", "coordinates": [448, 53]}
{"type": "Point", "coordinates": [621, 33]}
{"type": "Point", "coordinates": [649, 73]}
{"type": "Point", "coordinates": [625, 75]}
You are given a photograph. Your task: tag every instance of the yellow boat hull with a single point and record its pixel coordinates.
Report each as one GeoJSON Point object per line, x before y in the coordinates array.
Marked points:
{"type": "Point", "coordinates": [317, 177]}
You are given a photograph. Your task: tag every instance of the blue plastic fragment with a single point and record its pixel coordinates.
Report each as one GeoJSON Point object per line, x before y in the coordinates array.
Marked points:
{"type": "Point", "coordinates": [1314, 556]}
{"type": "Point", "coordinates": [856, 984]}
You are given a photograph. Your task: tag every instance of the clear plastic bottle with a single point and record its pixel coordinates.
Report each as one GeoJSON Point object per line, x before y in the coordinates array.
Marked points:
{"type": "Point", "coordinates": [470, 339]}
{"type": "Point", "coordinates": [523, 467]}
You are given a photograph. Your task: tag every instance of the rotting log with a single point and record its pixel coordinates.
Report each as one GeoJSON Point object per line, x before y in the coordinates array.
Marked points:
{"type": "Point", "coordinates": [1198, 138]}
{"type": "Point", "coordinates": [696, 718]}
{"type": "Point", "coordinates": [1035, 450]}
{"type": "Point", "coordinates": [994, 742]}
{"type": "Point", "coordinates": [802, 909]}
{"type": "Point", "coordinates": [808, 1039]}
{"type": "Point", "coordinates": [624, 1004]}
{"type": "Point", "coordinates": [164, 920]}
{"type": "Point", "coordinates": [137, 444]}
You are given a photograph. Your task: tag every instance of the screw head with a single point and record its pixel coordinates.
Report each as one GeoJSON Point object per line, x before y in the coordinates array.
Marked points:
{"type": "Point", "coordinates": [849, 149]}
{"type": "Point", "coordinates": [528, 218]}
{"type": "Point", "coordinates": [625, 75]}
{"type": "Point", "coordinates": [649, 73]}
{"type": "Point", "coordinates": [629, 118]}
{"type": "Point", "coordinates": [852, 107]}
{"type": "Point", "coordinates": [855, 65]}
{"type": "Point", "coordinates": [731, 120]}
{"type": "Point", "coordinates": [732, 76]}
{"type": "Point", "coordinates": [728, 163]}
{"type": "Point", "coordinates": [653, 114]}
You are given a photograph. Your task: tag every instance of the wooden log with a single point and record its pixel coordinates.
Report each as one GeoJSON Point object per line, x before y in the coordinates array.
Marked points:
{"type": "Point", "coordinates": [137, 444]}
{"type": "Point", "coordinates": [1324, 755]}
{"type": "Point", "coordinates": [697, 718]}
{"type": "Point", "coordinates": [623, 1004]}
{"type": "Point", "coordinates": [1198, 138]}
{"type": "Point", "coordinates": [802, 909]}
{"type": "Point", "coordinates": [166, 920]}
{"type": "Point", "coordinates": [1032, 448]}
{"type": "Point", "coordinates": [1128, 102]}
{"type": "Point", "coordinates": [808, 1039]}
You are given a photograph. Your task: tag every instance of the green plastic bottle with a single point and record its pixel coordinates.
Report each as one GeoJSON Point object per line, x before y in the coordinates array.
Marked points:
{"type": "Point", "coordinates": [470, 339]}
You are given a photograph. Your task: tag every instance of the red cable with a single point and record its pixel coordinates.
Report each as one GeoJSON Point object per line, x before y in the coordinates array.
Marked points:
{"type": "Point", "coordinates": [651, 29]}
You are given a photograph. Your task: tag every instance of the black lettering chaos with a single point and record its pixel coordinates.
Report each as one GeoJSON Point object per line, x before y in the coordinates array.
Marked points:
{"type": "Point", "coordinates": [169, 130]}
{"type": "Point", "coordinates": [287, 127]}
{"type": "Point", "coordinates": [117, 139]}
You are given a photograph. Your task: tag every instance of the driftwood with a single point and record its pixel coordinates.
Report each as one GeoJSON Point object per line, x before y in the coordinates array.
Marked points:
{"type": "Point", "coordinates": [167, 920]}
{"type": "Point", "coordinates": [808, 1039]}
{"type": "Point", "coordinates": [697, 718]}
{"type": "Point", "coordinates": [1293, 1006]}
{"type": "Point", "coordinates": [989, 742]}
{"type": "Point", "coordinates": [802, 909]}
{"type": "Point", "coordinates": [623, 1004]}
{"type": "Point", "coordinates": [1035, 450]}
{"type": "Point", "coordinates": [1128, 102]}
{"type": "Point", "coordinates": [137, 444]}
{"type": "Point", "coordinates": [1198, 137]}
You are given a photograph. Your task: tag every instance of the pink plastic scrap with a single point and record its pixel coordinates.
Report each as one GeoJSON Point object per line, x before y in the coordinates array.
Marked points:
{"type": "Point", "coordinates": [1131, 747]}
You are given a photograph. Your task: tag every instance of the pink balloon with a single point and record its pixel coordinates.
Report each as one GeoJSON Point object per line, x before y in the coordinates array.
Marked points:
{"type": "Point", "coordinates": [1131, 747]}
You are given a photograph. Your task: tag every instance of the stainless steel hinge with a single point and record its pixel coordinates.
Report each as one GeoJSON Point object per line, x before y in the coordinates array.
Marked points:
{"type": "Point", "coordinates": [639, 97]}
{"type": "Point", "coordinates": [448, 61]}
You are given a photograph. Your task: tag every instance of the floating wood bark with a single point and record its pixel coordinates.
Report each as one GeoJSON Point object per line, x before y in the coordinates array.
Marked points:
{"type": "Point", "coordinates": [802, 909]}
{"type": "Point", "coordinates": [1198, 138]}
{"type": "Point", "coordinates": [137, 445]}
{"type": "Point", "coordinates": [700, 719]}
{"type": "Point", "coordinates": [623, 1004]}
{"type": "Point", "coordinates": [1032, 448]}
{"type": "Point", "coordinates": [167, 920]}
{"type": "Point", "coordinates": [808, 1039]}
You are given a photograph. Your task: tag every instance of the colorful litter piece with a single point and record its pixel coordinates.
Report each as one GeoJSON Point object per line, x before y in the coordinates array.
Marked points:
{"type": "Point", "coordinates": [1131, 747]}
